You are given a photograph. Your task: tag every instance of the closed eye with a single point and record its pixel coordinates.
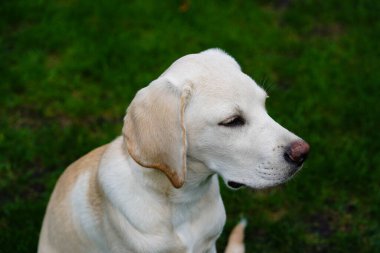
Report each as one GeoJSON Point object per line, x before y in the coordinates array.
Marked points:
{"type": "Point", "coordinates": [234, 121]}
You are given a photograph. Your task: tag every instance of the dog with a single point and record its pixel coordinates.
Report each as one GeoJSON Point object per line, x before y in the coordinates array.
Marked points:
{"type": "Point", "coordinates": [155, 188]}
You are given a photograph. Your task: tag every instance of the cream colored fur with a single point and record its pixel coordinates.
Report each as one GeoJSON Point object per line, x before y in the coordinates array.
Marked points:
{"type": "Point", "coordinates": [155, 188]}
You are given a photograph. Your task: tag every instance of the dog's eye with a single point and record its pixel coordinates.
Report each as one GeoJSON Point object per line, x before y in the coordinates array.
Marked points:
{"type": "Point", "coordinates": [234, 121]}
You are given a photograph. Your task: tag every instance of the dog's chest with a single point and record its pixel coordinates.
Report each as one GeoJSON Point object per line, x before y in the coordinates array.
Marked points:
{"type": "Point", "coordinates": [198, 226]}
{"type": "Point", "coordinates": [182, 228]}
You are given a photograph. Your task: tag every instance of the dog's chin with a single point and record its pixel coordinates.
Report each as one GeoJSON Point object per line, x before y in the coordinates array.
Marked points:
{"type": "Point", "coordinates": [257, 184]}
{"type": "Point", "coordinates": [261, 180]}
{"type": "Point", "coordinates": [234, 185]}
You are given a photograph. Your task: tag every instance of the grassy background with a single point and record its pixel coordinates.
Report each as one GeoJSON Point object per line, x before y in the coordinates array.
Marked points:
{"type": "Point", "coordinates": [69, 68]}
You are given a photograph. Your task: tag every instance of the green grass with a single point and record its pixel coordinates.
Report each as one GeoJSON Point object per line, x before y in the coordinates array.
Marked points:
{"type": "Point", "coordinates": [68, 70]}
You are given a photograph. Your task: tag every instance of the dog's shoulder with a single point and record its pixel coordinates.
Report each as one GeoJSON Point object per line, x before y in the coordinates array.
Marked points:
{"type": "Point", "coordinates": [86, 163]}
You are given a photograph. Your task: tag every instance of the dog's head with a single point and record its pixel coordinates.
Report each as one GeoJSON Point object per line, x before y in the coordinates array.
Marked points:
{"type": "Point", "coordinates": [206, 108]}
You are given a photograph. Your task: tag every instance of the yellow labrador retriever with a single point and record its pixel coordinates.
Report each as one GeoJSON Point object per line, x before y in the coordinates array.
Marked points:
{"type": "Point", "coordinates": [155, 188]}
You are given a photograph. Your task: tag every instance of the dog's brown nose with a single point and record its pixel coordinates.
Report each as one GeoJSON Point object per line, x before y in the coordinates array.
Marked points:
{"type": "Point", "coordinates": [297, 152]}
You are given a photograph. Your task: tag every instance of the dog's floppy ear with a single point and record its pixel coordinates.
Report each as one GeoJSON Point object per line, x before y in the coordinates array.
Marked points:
{"type": "Point", "coordinates": [154, 129]}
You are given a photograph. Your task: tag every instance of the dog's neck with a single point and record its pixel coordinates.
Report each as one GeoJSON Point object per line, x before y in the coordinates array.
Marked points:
{"type": "Point", "coordinates": [197, 182]}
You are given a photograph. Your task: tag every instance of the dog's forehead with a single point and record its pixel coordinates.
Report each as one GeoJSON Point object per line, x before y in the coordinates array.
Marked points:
{"type": "Point", "coordinates": [233, 84]}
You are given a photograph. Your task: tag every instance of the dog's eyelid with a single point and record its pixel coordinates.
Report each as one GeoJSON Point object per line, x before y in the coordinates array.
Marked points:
{"type": "Point", "coordinates": [233, 121]}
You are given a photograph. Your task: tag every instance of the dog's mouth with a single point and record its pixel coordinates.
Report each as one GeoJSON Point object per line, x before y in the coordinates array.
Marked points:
{"type": "Point", "coordinates": [235, 185]}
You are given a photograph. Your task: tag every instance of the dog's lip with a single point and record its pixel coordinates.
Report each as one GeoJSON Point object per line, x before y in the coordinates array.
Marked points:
{"type": "Point", "coordinates": [235, 185]}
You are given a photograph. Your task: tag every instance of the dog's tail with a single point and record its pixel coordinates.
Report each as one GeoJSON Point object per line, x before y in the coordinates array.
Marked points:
{"type": "Point", "coordinates": [236, 239]}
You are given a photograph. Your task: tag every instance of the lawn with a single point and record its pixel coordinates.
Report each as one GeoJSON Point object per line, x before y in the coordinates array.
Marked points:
{"type": "Point", "coordinates": [69, 68]}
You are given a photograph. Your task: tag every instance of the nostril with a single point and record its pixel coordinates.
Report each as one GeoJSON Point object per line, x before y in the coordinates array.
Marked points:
{"type": "Point", "coordinates": [297, 152]}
